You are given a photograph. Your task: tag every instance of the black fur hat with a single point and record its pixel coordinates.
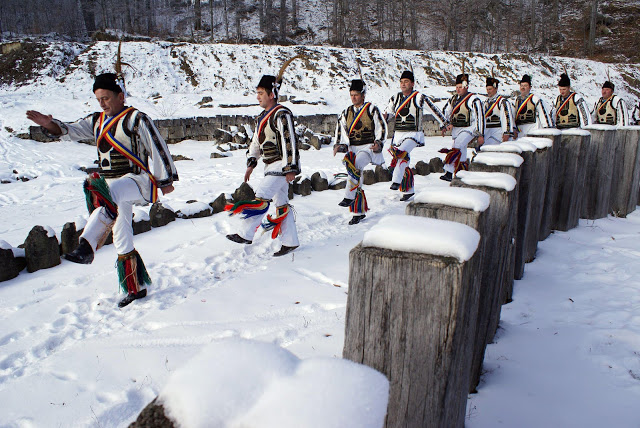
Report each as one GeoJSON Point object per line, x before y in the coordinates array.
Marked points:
{"type": "Point", "coordinates": [609, 85]}
{"type": "Point", "coordinates": [107, 81]}
{"type": "Point", "coordinates": [358, 85]}
{"type": "Point", "coordinates": [407, 75]}
{"type": "Point", "coordinates": [461, 78]}
{"type": "Point", "coordinates": [492, 81]}
{"type": "Point", "coordinates": [564, 81]}
{"type": "Point", "coordinates": [269, 83]}
{"type": "Point", "coordinates": [526, 79]}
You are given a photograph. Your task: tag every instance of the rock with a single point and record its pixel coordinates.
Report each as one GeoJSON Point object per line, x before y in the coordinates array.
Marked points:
{"type": "Point", "coordinates": [369, 177]}
{"type": "Point", "coordinates": [318, 182]}
{"type": "Point", "coordinates": [302, 187]}
{"type": "Point", "coordinates": [308, 134]}
{"type": "Point", "coordinates": [153, 416]}
{"type": "Point", "coordinates": [160, 215]}
{"type": "Point", "coordinates": [179, 158]}
{"type": "Point", "coordinates": [217, 155]}
{"type": "Point", "coordinates": [315, 141]}
{"type": "Point", "coordinates": [218, 205]}
{"type": "Point", "coordinates": [206, 211]}
{"type": "Point", "coordinates": [205, 100]}
{"type": "Point", "coordinates": [244, 193]}
{"type": "Point", "coordinates": [423, 168]}
{"type": "Point", "coordinates": [141, 226]}
{"type": "Point", "coordinates": [69, 238]}
{"type": "Point", "coordinates": [9, 267]}
{"type": "Point", "coordinates": [325, 140]}
{"type": "Point", "coordinates": [240, 139]}
{"type": "Point", "coordinates": [339, 185]}
{"type": "Point", "coordinates": [436, 165]}
{"type": "Point", "coordinates": [41, 251]}
{"type": "Point", "coordinates": [304, 146]}
{"type": "Point", "coordinates": [291, 194]}
{"type": "Point", "coordinates": [382, 174]}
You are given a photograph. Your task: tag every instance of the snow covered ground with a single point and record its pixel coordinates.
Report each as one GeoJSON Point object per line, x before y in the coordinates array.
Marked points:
{"type": "Point", "coordinates": [567, 353]}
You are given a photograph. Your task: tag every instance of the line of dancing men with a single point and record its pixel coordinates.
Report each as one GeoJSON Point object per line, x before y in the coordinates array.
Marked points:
{"type": "Point", "coordinates": [135, 162]}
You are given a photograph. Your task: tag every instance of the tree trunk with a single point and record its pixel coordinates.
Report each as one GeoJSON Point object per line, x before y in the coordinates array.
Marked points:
{"type": "Point", "coordinates": [283, 20]}
{"type": "Point", "coordinates": [197, 19]}
{"type": "Point", "coordinates": [591, 45]}
{"type": "Point", "coordinates": [86, 8]}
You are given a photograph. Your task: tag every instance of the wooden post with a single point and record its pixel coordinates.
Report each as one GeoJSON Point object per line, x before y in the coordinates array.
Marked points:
{"type": "Point", "coordinates": [626, 172]}
{"type": "Point", "coordinates": [572, 156]}
{"type": "Point", "coordinates": [411, 314]}
{"type": "Point", "coordinates": [535, 192]}
{"type": "Point", "coordinates": [499, 247]}
{"type": "Point", "coordinates": [470, 207]}
{"type": "Point", "coordinates": [550, 193]}
{"type": "Point", "coordinates": [597, 193]}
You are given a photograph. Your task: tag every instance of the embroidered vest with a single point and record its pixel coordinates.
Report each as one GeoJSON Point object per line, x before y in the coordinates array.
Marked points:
{"type": "Point", "coordinates": [112, 163]}
{"type": "Point", "coordinates": [363, 131]}
{"type": "Point", "coordinates": [462, 117]}
{"type": "Point", "coordinates": [270, 139]}
{"type": "Point", "coordinates": [493, 120]}
{"type": "Point", "coordinates": [527, 113]}
{"type": "Point", "coordinates": [408, 118]}
{"type": "Point", "coordinates": [568, 116]}
{"type": "Point", "coordinates": [605, 113]}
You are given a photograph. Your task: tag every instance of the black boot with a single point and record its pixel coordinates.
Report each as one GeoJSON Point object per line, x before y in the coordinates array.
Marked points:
{"type": "Point", "coordinates": [237, 238]}
{"type": "Point", "coordinates": [131, 297]}
{"type": "Point", "coordinates": [447, 176]}
{"type": "Point", "coordinates": [356, 219]}
{"type": "Point", "coordinates": [284, 250]}
{"type": "Point", "coordinates": [83, 254]}
{"type": "Point", "coordinates": [406, 197]}
{"type": "Point", "coordinates": [346, 202]}
{"type": "Point", "coordinates": [394, 186]}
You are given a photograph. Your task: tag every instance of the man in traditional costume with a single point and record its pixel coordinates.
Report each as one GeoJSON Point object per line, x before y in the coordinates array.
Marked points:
{"type": "Point", "coordinates": [407, 107]}
{"type": "Point", "coordinates": [531, 112]}
{"type": "Point", "coordinates": [635, 115]}
{"type": "Point", "coordinates": [498, 115]}
{"type": "Point", "coordinates": [134, 163]}
{"type": "Point", "coordinates": [274, 140]}
{"type": "Point", "coordinates": [465, 113]}
{"type": "Point", "coordinates": [610, 109]}
{"type": "Point", "coordinates": [571, 109]}
{"type": "Point", "coordinates": [360, 133]}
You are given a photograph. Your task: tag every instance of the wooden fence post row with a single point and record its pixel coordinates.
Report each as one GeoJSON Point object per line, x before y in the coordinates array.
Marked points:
{"type": "Point", "coordinates": [411, 312]}
{"type": "Point", "coordinates": [626, 172]}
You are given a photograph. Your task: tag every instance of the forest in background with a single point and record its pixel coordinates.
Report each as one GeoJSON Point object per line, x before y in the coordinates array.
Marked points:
{"type": "Point", "coordinates": [598, 29]}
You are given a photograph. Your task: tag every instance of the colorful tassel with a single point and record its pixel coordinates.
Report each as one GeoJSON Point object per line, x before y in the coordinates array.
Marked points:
{"type": "Point", "coordinates": [397, 156]}
{"type": "Point", "coordinates": [407, 180]}
{"type": "Point", "coordinates": [462, 166]}
{"type": "Point", "coordinates": [248, 208]}
{"type": "Point", "coordinates": [131, 272]}
{"type": "Point", "coordinates": [359, 205]}
{"type": "Point", "coordinates": [275, 223]}
{"type": "Point", "coordinates": [453, 158]}
{"type": "Point", "coordinates": [97, 194]}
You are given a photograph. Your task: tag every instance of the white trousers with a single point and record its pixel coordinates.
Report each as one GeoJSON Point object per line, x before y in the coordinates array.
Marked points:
{"type": "Point", "coordinates": [407, 142]}
{"type": "Point", "coordinates": [461, 139]}
{"type": "Point", "coordinates": [124, 192]}
{"type": "Point", "coordinates": [493, 136]}
{"type": "Point", "coordinates": [364, 156]}
{"type": "Point", "coordinates": [523, 130]}
{"type": "Point", "coordinates": [276, 188]}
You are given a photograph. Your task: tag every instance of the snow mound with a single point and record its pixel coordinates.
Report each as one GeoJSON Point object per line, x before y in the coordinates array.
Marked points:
{"type": "Point", "coordinates": [472, 199]}
{"type": "Point", "coordinates": [539, 142]}
{"type": "Point", "coordinates": [497, 180]}
{"type": "Point", "coordinates": [504, 159]}
{"type": "Point", "coordinates": [423, 235]}
{"type": "Point", "coordinates": [238, 383]}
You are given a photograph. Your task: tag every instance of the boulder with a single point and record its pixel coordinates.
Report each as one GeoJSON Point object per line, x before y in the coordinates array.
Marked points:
{"type": "Point", "coordinates": [382, 174]}
{"type": "Point", "coordinates": [218, 205]}
{"type": "Point", "coordinates": [69, 238]}
{"type": "Point", "coordinates": [302, 187]}
{"type": "Point", "coordinates": [9, 267]}
{"type": "Point", "coordinates": [244, 193]}
{"type": "Point", "coordinates": [318, 182]}
{"type": "Point", "coordinates": [369, 177]}
{"type": "Point", "coordinates": [153, 416]}
{"type": "Point", "coordinates": [437, 165]}
{"type": "Point", "coordinates": [423, 168]}
{"type": "Point", "coordinates": [42, 251]}
{"type": "Point", "coordinates": [204, 211]}
{"type": "Point", "coordinates": [218, 155]}
{"type": "Point", "coordinates": [141, 226]}
{"type": "Point", "coordinates": [160, 215]}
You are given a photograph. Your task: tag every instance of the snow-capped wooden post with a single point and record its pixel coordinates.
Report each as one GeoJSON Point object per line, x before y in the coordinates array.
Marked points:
{"type": "Point", "coordinates": [498, 255]}
{"type": "Point", "coordinates": [597, 192]}
{"type": "Point", "coordinates": [550, 192]}
{"type": "Point", "coordinates": [502, 158]}
{"type": "Point", "coordinates": [536, 190]}
{"type": "Point", "coordinates": [572, 158]}
{"type": "Point", "coordinates": [411, 311]}
{"type": "Point", "coordinates": [626, 172]}
{"type": "Point", "coordinates": [470, 207]}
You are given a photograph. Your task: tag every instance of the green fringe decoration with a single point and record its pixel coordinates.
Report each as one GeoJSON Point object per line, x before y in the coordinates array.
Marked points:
{"type": "Point", "coordinates": [141, 275]}
{"type": "Point", "coordinates": [97, 185]}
